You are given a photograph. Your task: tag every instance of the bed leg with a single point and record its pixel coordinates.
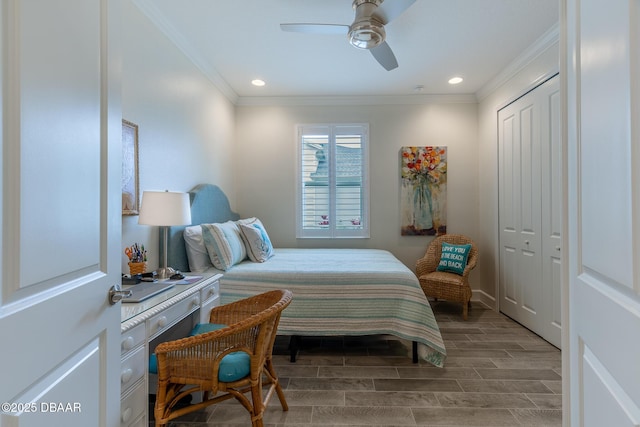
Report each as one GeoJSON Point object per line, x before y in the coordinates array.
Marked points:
{"type": "Point", "coordinates": [294, 346]}
{"type": "Point", "coordinates": [415, 352]}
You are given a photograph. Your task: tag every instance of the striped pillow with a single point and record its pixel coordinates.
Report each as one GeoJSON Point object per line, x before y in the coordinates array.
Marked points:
{"type": "Point", "coordinates": [224, 245]}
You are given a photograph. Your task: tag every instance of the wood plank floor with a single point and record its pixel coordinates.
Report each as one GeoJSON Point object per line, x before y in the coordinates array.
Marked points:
{"type": "Point", "coordinates": [497, 373]}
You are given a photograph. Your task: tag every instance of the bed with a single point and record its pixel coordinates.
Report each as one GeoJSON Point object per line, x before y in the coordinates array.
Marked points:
{"type": "Point", "coordinates": [337, 292]}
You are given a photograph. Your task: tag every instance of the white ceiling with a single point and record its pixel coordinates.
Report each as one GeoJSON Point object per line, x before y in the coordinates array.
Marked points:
{"type": "Point", "coordinates": [235, 41]}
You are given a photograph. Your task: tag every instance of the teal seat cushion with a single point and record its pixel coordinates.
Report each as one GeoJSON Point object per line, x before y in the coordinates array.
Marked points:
{"type": "Point", "coordinates": [233, 367]}
{"type": "Point", "coordinates": [153, 364]}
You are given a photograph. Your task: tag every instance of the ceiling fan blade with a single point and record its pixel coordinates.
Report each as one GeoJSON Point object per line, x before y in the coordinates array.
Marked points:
{"type": "Point", "coordinates": [391, 9]}
{"type": "Point", "coordinates": [316, 28]}
{"type": "Point", "coordinates": [384, 55]}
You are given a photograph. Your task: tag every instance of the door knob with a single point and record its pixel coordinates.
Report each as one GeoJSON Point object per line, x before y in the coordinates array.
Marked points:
{"type": "Point", "coordinates": [116, 294]}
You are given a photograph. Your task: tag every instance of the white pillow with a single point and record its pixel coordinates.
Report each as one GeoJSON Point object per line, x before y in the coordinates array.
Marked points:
{"type": "Point", "coordinates": [196, 251]}
{"type": "Point", "coordinates": [256, 240]}
{"type": "Point", "coordinates": [224, 245]}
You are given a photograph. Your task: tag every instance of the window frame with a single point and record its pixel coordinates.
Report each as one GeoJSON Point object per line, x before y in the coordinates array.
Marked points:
{"type": "Point", "coordinates": [333, 130]}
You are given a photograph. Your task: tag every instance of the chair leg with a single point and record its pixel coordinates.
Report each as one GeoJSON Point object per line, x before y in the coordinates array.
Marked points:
{"type": "Point", "coordinates": [274, 378]}
{"type": "Point", "coordinates": [465, 310]}
{"type": "Point", "coordinates": [258, 405]}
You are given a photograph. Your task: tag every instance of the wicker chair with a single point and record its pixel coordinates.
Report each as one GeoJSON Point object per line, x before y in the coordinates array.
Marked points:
{"type": "Point", "coordinates": [445, 285]}
{"type": "Point", "coordinates": [192, 364]}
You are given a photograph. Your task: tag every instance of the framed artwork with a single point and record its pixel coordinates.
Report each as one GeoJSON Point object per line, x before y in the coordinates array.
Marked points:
{"type": "Point", "coordinates": [130, 184]}
{"type": "Point", "coordinates": [423, 196]}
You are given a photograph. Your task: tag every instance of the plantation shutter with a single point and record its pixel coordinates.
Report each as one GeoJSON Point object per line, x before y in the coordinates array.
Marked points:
{"type": "Point", "coordinates": [333, 186]}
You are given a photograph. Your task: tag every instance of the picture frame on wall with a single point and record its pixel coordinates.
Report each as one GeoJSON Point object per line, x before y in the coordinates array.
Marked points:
{"type": "Point", "coordinates": [130, 180]}
{"type": "Point", "coordinates": [423, 197]}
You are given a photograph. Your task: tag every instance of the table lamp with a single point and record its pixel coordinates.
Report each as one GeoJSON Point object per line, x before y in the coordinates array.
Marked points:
{"type": "Point", "coordinates": [164, 209]}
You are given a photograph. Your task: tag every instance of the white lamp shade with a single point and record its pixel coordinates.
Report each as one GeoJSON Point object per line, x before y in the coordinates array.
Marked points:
{"type": "Point", "coordinates": [165, 208]}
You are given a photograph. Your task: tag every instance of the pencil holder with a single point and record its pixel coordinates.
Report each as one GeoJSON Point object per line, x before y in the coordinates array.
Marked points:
{"type": "Point", "coordinates": [137, 267]}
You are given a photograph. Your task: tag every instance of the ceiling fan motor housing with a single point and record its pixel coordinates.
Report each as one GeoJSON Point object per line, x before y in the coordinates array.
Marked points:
{"type": "Point", "coordinates": [366, 32]}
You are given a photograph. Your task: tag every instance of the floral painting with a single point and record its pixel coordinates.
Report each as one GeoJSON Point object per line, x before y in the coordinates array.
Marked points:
{"type": "Point", "coordinates": [423, 197]}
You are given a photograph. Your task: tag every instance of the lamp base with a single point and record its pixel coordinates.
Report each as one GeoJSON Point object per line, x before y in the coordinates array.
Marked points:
{"type": "Point", "coordinates": [165, 272]}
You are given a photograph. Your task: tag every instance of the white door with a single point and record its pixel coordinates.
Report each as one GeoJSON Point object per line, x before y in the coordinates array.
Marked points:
{"type": "Point", "coordinates": [603, 115]}
{"type": "Point", "coordinates": [61, 217]}
{"type": "Point", "coordinates": [520, 222]}
{"type": "Point", "coordinates": [530, 194]}
{"type": "Point", "coordinates": [551, 206]}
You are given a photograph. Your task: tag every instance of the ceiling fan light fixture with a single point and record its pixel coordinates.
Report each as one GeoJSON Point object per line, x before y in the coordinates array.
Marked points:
{"type": "Point", "coordinates": [366, 32]}
{"type": "Point", "coordinates": [366, 35]}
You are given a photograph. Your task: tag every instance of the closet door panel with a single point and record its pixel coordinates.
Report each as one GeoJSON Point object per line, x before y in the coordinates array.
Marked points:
{"type": "Point", "coordinates": [508, 167]}
{"type": "Point", "coordinates": [530, 201]}
{"type": "Point", "coordinates": [508, 281]}
{"type": "Point", "coordinates": [529, 224]}
{"type": "Point", "coordinates": [551, 174]}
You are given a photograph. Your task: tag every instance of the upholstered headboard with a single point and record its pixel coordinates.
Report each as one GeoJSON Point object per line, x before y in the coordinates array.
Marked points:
{"type": "Point", "coordinates": [208, 205]}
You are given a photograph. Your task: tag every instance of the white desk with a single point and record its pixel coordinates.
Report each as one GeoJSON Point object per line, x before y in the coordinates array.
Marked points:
{"type": "Point", "coordinates": [144, 321]}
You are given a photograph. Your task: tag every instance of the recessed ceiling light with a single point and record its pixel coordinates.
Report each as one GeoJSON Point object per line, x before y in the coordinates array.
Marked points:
{"type": "Point", "coordinates": [258, 82]}
{"type": "Point", "coordinates": [455, 80]}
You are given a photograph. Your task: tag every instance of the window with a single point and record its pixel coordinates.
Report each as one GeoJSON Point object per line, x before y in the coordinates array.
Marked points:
{"type": "Point", "coordinates": [333, 184]}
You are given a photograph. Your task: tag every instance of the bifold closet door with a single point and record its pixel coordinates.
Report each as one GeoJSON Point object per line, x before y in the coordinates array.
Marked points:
{"type": "Point", "coordinates": [551, 205]}
{"type": "Point", "coordinates": [528, 211]}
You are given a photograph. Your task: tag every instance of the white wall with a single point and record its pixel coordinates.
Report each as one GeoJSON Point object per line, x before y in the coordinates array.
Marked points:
{"type": "Point", "coordinates": [537, 69]}
{"type": "Point", "coordinates": [186, 126]}
{"type": "Point", "coordinates": [265, 169]}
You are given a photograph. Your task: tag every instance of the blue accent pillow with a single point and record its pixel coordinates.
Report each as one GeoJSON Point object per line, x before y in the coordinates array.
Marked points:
{"type": "Point", "coordinates": [454, 258]}
{"type": "Point", "coordinates": [233, 367]}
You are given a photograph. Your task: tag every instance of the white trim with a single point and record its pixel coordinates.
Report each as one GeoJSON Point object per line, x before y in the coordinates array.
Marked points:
{"type": "Point", "coordinates": [355, 100]}
{"type": "Point", "coordinates": [548, 39]}
{"type": "Point", "coordinates": [484, 298]}
{"type": "Point", "coordinates": [148, 8]}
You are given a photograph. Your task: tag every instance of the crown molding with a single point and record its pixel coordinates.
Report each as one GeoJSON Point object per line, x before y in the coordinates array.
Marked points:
{"type": "Point", "coordinates": [148, 8]}
{"type": "Point", "coordinates": [548, 39]}
{"type": "Point", "coordinates": [355, 100]}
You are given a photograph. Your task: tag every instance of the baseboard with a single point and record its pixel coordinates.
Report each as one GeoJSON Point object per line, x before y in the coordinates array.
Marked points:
{"type": "Point", "coordinates": [485, 299]}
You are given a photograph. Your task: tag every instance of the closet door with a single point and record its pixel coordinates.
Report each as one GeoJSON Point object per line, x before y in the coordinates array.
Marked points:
{"type": "Point", "coordinates": [520, 220]}
{"type": "Point", "coordinates": [552, 196]}
{"type": "Point", "coordinates": [530, 210]}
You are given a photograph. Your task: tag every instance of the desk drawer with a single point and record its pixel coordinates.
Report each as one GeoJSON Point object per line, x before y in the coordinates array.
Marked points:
{"type": "Point", "coordinates": [211, 291]}
{"type": "Point", "coordinates": [132, 338]}
{"type": "Point", "coordinates": [210, 297]}
{"type": "Point", "coordinates": [164, 320]}
{"type": "Point", "coordinates": [132, 368]}
{"type": "Point", "coordinates": [133, 405]}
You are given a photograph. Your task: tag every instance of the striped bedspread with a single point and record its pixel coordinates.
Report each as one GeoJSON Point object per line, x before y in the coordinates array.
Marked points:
{"type": "Point", "coordinates": [342, 292]}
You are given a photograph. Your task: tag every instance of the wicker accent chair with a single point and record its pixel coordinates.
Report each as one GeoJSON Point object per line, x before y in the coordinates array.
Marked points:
{"type": "Point", "coordinates": [445, 285]}
{"type": "Point", "coordinates": [192, 364]}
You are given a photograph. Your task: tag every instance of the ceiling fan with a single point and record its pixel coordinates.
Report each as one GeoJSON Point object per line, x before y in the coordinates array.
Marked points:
{"type": "Point", "coordinates": [366, 31]}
